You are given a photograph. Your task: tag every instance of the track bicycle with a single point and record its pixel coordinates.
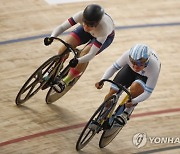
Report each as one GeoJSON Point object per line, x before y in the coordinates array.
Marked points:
{"type": "Point", "coordinates": [103, 119]}
{"type": "Point", "coordinates": [47, 75]}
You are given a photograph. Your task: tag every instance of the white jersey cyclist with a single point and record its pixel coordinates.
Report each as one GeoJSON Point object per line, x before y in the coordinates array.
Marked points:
{"type": "Point", "coordinates": [95, 29]}
{"type": "Point", "coordinates": [146, 77]}
{"type": "Point", "coordinates": [104, 29]}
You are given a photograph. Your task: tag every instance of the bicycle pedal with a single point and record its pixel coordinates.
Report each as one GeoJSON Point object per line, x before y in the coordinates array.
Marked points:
{"type": "Point", "coordinates": [106, 125]}
{"type": "Point", "coordinates": [94, 125]}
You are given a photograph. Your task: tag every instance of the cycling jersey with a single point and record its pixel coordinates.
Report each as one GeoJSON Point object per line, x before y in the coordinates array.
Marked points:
{"type": "Point", "coordinates": [151, 72]}
{"type": "Point", "coordinates": [101, 32]}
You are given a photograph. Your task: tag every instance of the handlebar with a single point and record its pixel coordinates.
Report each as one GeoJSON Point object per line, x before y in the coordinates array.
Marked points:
{"type": "Point", "coordinates": [67, 45]}
{"type": "Point", "coordinates": [121, 87]}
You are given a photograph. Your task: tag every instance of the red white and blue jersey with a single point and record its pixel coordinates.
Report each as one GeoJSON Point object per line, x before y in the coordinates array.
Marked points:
{"type": "Point", "coordinates": [100, 32]}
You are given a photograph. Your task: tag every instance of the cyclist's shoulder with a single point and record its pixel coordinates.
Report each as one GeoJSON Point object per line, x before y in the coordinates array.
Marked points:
{"type": "Point", "coordinates": [107, 20]}
{"type": "Point", "coordinates": [78, 14]}
{"type": "Point", "coordinates": [154, 58]}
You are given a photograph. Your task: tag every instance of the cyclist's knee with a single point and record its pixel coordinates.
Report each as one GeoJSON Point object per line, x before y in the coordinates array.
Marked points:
{"type": "Point", "coordinates": [111, 92]}
{"type": "Point", "coordinates": [70, 40]}
{"type": "Point", "coordinates": [85, 51]}
{"type": "Point", "coordinates": [136, 89]}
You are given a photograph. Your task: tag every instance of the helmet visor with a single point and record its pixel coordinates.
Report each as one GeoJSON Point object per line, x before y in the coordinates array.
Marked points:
{"type": "Point", "coordinates": [139, 62]}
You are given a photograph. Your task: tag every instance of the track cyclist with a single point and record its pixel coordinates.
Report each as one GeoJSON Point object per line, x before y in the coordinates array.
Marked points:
{"type": "Point", "coordinates": [96, 29]}
{"type": "Point", "coordinates": [139, 69]}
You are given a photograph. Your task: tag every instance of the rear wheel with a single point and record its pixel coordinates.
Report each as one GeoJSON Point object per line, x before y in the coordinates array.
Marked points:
{"type": "Point", "coordinates": [36, 81]}
{"type": "Point", "coordinates": [53, 96]}
{"type": "Point", "coordinates": [95, 124]}
{"type": "Point", "coordinates": [108, 135]}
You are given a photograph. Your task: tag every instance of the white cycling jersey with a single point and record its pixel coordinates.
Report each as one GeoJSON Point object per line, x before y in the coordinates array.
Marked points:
{"type": "Point", "coordinates": [101, 32]}
{"type": "Point", "coordinates": [151, 71]}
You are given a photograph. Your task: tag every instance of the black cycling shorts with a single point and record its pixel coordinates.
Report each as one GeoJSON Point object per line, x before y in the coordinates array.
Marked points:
{"type": "Point", "coordinates": [126, 76]}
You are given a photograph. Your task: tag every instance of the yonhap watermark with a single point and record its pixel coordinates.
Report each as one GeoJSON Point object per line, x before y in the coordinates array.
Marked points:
{"type": "Point", "coordinates": [141, 139]}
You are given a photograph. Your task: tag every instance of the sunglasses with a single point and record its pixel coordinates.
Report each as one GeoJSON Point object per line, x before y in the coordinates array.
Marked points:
{"type": "Point", "coordinates": [141, 62]}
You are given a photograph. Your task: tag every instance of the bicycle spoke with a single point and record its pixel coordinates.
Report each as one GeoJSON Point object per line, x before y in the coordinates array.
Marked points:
{"type": "Point", "coordinates": [49, 66]}
{"type": "Point", "coordinates": [33, 84]}
{"type": "Point", "coordinates": [29, 93]}
{"type": "Point", "coordinates": [86, 137]}
{"type": "Point", "coordinates": [36, 81]}
{"type": "Point", "coordinates": [101, 116]}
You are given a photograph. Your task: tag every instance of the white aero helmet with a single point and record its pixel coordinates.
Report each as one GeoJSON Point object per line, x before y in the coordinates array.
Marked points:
{"type": "Point", "coordinates": [139, 54]}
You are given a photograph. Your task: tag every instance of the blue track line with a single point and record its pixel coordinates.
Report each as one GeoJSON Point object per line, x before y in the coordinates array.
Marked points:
{"type": "Point", "coordinates": [65, 33]}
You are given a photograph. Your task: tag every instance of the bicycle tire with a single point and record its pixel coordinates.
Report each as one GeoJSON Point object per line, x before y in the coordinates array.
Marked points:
{"type": "Point", "coordinates": [53, 96]}
{"type": "Point", "coordinates": [82, 141]}
{"type": "Point", "coordinates": [37, 76]}
{"type": "Point", "coordinates": [108, 135]}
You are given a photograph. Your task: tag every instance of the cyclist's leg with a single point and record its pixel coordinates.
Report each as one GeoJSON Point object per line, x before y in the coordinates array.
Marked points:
{"type": "Point", "coordinates": [76, 38]}
{"type": "Point", "coordinates": [81, 37]}
{"type": "Point", "coordinates": [70, 39]}
{"type": "Point", "coordinates": [110, 93]}
{"type": "Point", "coordinates": [77, 71]}
{"type": "Point", "coordinates": [136, 89]}
{"type": "Point", "coordinates": [124, 77]}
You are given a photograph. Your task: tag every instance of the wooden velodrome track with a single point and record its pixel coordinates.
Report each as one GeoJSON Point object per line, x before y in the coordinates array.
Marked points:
{"type": "Point", "coordinates": [36, 127]}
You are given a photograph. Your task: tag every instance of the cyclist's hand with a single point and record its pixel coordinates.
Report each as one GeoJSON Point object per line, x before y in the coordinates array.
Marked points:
{"type": "Point", "coordinates": [48, 41]}
{"type": "Point", "coordinates": [99, 85]}
{"type": "Point", "coordinates": [73, 62]}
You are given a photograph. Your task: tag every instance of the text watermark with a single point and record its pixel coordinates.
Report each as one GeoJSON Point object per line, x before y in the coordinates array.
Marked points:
{"type": "Point", "coordinates": [141, 139]}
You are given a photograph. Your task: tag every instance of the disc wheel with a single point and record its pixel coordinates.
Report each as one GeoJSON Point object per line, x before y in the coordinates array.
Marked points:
{"type": "Point", "coordinates": [108, 135]}
{"type": "Point", "coordinates": [53, 96]}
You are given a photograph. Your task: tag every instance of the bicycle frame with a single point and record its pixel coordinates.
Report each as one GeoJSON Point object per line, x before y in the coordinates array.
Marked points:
{"type": "Point", "coordinates": [103, 119]}
{"type": "Point", "coordinates": [117, 95]}
{"type": "Point", "coordinates": [67, 51]}
{"type": "Point", "coordinates": [125, 99]}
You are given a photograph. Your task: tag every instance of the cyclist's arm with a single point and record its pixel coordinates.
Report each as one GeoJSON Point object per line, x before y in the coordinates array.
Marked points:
{"type": "Point", "coordinates": [92, 53]}
{"type": "Point", "coordinates": [93, 50]}
{"type": "Point", "coordinates": [61, 28]}
{"type": "Point", "coordinates": [148, 88]}
{"type": "Point", "coordinates": [67, 24]}
{"type": "Point", "coordinates": [109, 72]}
{"type": "Point", "coordinates": [116, 66]}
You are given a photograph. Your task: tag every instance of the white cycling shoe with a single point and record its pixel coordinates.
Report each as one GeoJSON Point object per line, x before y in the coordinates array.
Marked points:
{"type": "Point", "coordinates": [60, 86]}
{"type": "Point", "coordinates": [121, 119]}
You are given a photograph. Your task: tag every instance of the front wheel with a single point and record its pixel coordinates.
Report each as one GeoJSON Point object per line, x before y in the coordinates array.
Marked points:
{"type": "Point", "coordinates": [94, 125]}
{"type": "Point", "coordinates": [36, 81]}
